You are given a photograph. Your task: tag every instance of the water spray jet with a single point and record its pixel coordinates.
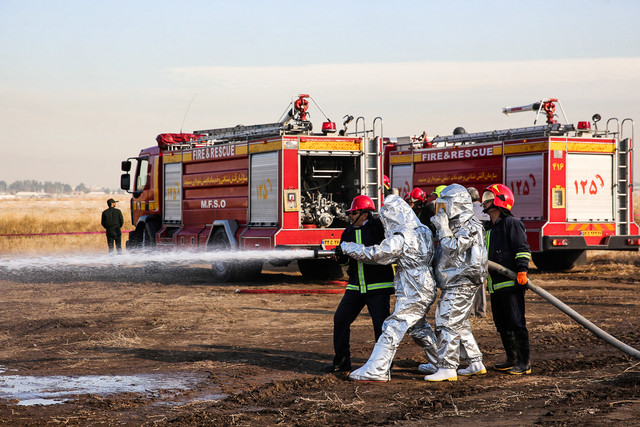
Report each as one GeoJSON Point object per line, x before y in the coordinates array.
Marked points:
{"type": "Point", "coordinates": [51, 262]}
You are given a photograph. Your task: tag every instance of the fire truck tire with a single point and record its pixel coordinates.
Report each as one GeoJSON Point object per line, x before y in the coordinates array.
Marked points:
{"type": "Point", "coordinates": [135, 240]}
{"type": "Point", "coordinates": [319, 269]}
{"type": "Point", "coordinates": [149, 235]}
{"type": "Point", "coordinates": [558, 260]}
{"type": "Point", "coordinates": [223, 270]}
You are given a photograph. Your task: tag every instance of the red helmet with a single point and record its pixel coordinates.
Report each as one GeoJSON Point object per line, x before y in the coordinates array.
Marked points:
{"type": "Point", "coordinates": [501, 195]}
{"type": "Point", "coordinates": [418, 195]}
{"type": "Point", "coordinates": [362, 203]}
{"type": "Point", "coordinates": [387, 182]}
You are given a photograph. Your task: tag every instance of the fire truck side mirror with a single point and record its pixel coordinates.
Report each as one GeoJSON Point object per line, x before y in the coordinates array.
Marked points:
{"type": "Point", "coordinates": [125, 181]}
{"type": "Point", "coordinates": [126, 166]}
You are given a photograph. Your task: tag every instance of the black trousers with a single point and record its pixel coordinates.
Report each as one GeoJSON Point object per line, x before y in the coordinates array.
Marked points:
{"type": "Point", "coordinates": [349, 308]}
{"type": "Point", "coordinates": [114, 241]}
{"type": "Point", "coordinates": [507, 306]}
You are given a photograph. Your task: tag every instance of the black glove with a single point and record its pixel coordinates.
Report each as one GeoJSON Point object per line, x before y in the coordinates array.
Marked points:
{"type": "Point", "coordinates": [338, 251]}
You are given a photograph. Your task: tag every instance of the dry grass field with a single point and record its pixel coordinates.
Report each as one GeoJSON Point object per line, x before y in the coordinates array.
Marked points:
{"type": "Point", "coordinates": [81, 214]}
{"type": "Point", "coordinates": [69, 214]}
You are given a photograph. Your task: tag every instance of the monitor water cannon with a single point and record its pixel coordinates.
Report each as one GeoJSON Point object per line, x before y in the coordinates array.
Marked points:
{"type": "Point", "coordinates": [547, 105]}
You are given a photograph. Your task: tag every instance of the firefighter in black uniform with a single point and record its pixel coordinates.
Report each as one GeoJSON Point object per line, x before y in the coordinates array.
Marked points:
{"type": "Point", "coordinates": [112, 222]}
{"type": "Point", "coordinates": [429, 209]}
{"type": "Point", "coordinates": [507, 245]}
{"type": "Point", "coordinates": [369, 284]}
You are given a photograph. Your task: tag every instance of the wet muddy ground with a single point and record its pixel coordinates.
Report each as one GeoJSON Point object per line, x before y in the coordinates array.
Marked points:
{"type": "Point", "coordinates": [130, 345]}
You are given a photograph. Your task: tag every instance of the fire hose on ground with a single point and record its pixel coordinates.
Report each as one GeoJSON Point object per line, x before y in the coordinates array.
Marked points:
{"type": "Point", "coordinates": [570, 312]}
{"type": "Point", "coordinates": [290, 291]}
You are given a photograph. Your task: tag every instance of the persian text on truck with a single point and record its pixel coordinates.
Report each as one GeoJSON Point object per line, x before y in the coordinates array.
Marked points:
{"type": "Point", "coordinates": [572, 184]}
{"type": "Point", "coordinates": [268, 186]}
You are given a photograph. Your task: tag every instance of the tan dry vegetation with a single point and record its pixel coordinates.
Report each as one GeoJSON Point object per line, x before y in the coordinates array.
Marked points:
{"type": "Point", "coordinates": [82, 213]}
{"type": "Point", "coordinates": [68, 214]}
{"type": "Point", "coordinates": [625, 258]}
{"type": "Point", "coordinates": [556, 327]}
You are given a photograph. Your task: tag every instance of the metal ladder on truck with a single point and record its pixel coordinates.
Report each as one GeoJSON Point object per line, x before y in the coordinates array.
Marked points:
{"type": "Point", "coordinates": [623, 150]}
{"type": "Point", "coordinates": [241, 132]}
{"type": "Point", "coordinates": [371, 167]}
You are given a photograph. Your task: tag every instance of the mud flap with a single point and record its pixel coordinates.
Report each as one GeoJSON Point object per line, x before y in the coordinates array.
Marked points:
{"type": "Point", "coordinates": [559, 260]}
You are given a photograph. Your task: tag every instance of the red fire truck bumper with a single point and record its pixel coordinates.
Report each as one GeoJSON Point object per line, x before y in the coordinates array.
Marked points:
{"type": "Point", "coordinates": [617, 243]}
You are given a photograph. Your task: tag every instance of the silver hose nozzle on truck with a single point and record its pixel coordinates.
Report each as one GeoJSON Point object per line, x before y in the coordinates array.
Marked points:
{"type": "Point", "coordinates": [322, 253]}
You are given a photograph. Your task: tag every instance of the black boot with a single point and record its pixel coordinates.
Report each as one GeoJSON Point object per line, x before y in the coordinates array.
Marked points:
{"type": "Point", "coordinates": [523, 366]}
{"type": "Point", "coordinates": [509, 344]}
{"type": "Point", "coordinates": [339, 365]}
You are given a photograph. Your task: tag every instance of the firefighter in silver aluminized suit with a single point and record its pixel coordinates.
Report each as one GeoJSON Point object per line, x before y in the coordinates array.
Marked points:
{"type": "Point", "coordinates": [460, 267]}
{"type": "Point", "coordinates": [408, 244]}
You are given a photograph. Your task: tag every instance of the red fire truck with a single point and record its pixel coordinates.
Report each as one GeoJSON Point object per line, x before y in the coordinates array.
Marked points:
{"type": "Point", "coordinates": [572, 183]}
{"type": "Point", "coordinates": [266, 186]}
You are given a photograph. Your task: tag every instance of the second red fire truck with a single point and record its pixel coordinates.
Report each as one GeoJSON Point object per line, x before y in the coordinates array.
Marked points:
{"type": "Point", "coordinates": [572, 183]}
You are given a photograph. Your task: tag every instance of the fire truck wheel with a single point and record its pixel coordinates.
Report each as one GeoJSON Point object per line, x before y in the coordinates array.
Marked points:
{"type": "Point", "coordinates": [149, 235]}
{"type": "Point", "coordinates": [558, 260]}
{"type": "Point", "coordinates": [223, 270]}
{"type": "Point", "coordinates": [320, 269]}
{"type": "Point", "coordinates": [135, 240]}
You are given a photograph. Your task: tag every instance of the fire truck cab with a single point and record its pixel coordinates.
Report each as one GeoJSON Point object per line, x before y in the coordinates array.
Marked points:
{"type": "Point", "coordinates": [258, 187]}
{"type": "Point", "coordinates": [572, 183]}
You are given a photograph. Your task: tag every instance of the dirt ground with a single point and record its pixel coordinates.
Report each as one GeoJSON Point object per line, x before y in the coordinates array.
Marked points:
{"type": "Point", "coordinates": [258, 357]}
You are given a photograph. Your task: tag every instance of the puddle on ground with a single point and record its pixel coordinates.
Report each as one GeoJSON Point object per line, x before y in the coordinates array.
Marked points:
{"type": "Point", "coordinates": [50, 390]}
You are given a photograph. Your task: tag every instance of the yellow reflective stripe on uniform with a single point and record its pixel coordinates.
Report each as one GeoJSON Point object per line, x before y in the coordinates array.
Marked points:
{"type": "Point", "coordinates": [503, 285]}
{"type": "Point", "coordinates": [381, 285]}
{"type": "Point", "coordinates": [523, 255]}
{"type": "Point", "coordinates": [363, 284]}
{"type": "Point", "coordinates": [491, 287]}
{"type": "Point", "coordinates": [487, 238]}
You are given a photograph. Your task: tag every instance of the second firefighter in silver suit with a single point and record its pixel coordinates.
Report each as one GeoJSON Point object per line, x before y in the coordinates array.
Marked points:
{"type": "Point", "coordinates": [408, 244]}
{"type": "Point", "coordinates": [460, 267]}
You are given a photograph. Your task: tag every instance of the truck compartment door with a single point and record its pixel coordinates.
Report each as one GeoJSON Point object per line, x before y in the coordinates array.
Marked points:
{"type": "Point", "coordinates": [589, 187]}
{"type": "Point", "coordinates": [525, 176]}
{"type": "Point", "coordinates": [172, 212]}
{"type": "Point", "coordinates": [402, 179]}
{"type": "Point", "coordinates": [263, 181]}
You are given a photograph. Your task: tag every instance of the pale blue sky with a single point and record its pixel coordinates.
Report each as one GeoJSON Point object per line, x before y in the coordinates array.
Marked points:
{"type": "Point", "coordinates": [85, 84]}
